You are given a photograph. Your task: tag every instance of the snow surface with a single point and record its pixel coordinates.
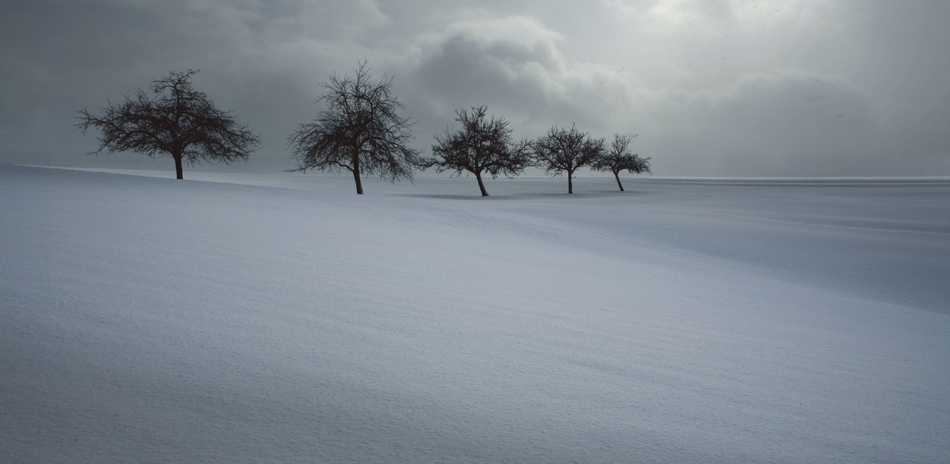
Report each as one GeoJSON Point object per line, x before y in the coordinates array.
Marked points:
{"type": "Point", "coordinates": [283, 318]}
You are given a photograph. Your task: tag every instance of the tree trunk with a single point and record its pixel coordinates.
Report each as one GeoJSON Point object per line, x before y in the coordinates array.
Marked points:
{"type": "Point", "coordinates": [356, 175]}
{"type": "Point", "coordinates": [359, 184]}
{"type": "Point", "coordinates": [570, 182]}
{"type": "Point", "coordinates": [179, 172]}
{"type": "Point", "coordinates": [617, 176]}
{"type": "Point", "coordinates": [481, 185]}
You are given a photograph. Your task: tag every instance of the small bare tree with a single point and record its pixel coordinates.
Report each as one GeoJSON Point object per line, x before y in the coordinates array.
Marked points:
{"type": "Point", "coordinates": [176, 120]}
{"type": "Point", "coordinates": [482, 144]}
{"type": "Point", "coordinates": [566, 150]}
{"type": "Point", "coordinates": [618, 158]}
{"type": "Point", "coordinates": [360, 131]}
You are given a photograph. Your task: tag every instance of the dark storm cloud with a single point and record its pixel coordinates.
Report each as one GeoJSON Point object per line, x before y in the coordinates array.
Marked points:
{"type": "Point", "coordinates": [713, 88]}
{"type": "Point", "coordinates": [514, 64]}
{"type": "Point", "coordinates": [467, 69]}
{"type": "Point", "coordinates": [509, 64]}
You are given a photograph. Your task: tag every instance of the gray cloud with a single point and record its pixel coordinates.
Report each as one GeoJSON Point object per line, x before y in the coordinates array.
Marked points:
{"type": "Point", "coordinates": [510, 64]}
{"type": "Point", "coordinates": [785, 123]}
{"type": "Point", "coordinates": [713, 88]}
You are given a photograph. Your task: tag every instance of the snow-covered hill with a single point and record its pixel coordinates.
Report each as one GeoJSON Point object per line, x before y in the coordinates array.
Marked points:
{"type": "Point", "coordinates": [284, 319]}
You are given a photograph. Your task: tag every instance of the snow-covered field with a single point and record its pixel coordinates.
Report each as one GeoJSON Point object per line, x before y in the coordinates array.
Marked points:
{"type": "Point", "coordinates": [282, 318]}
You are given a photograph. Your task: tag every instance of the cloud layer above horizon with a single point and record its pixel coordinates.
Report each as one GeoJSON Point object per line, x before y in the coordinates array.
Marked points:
{"type": "Point", "coordinates": [727, 88]}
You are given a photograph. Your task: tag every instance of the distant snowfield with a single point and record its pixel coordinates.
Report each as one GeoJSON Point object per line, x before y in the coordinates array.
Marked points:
{"type": "Point", "coordinates": [282, 318]}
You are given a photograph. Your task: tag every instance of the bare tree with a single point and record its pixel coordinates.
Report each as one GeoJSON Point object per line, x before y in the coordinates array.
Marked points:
{"type": "Point", "coordinates": [176, 120]}
{"type": "Point", "coordinates": [360, 131]}
{"type": "Point", "coordinates": [482, 144]}
{"type": "Point", "coordinates": [618, 158]}
{"type": "Point", "coordinates": [566, 150]}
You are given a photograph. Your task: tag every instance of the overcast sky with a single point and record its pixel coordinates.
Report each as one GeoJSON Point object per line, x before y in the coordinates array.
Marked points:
{"type": "Point", "coordinates": [713, 88]}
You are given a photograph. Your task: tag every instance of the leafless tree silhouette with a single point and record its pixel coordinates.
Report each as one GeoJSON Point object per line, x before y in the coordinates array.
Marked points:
{"type": "Point", "coordinates": [566, 150]}
{"type": "Point", "coordinates": [618, 158]}
{"type": "Point", "coordinates": [482, 144]}
{"type": "Point", "coordinates": [360, 131]}
{"type": "Point", "coordinates": [174, 120]}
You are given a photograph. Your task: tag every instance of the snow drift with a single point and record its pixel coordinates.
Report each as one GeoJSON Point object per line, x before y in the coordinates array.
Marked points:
{"type": "Point", "coordinates": [147, 319]}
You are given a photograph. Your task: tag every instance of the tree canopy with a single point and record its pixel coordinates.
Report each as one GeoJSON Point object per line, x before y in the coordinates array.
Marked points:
{"type": "Point", "coordinates": [618, 158]}
{"type": "Point", "coordinates": [361, 131]}
{"type": "Point", "coordinates": [564, 151]}
{"type": "Point", "coordinates": [482, 144]}
{"type": "Point", "coordinates": [174, 120]}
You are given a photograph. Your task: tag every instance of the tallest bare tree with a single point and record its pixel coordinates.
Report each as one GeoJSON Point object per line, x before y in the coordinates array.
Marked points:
{"type": "Point", "coordinates": [361, 131]}
{"type": "Point", "coordinates": [176, 120]}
